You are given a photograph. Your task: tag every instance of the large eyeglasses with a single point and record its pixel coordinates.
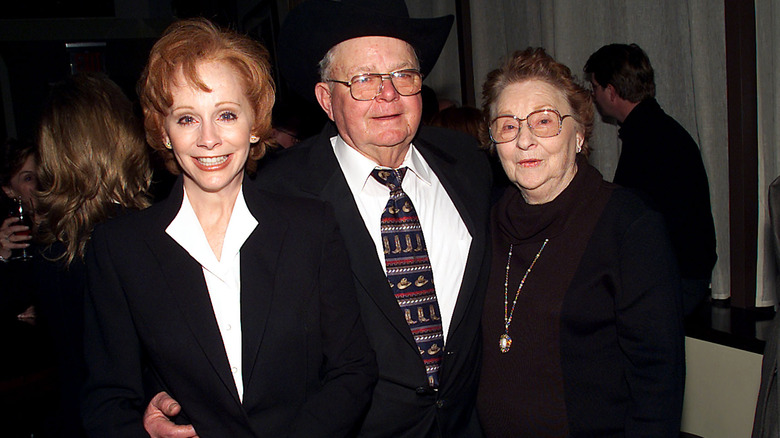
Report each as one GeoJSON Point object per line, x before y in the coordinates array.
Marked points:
{"type": "Point", "coordinates": [542, 123]}
{"type": "Point", "coordinates": [368, 85]}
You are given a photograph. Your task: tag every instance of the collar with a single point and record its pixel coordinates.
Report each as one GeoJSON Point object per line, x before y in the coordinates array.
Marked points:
{"type": "Point", "coordinates": [185, 229]}
{"type": "Point", "coordinates": [639, 115]}
{"type": "Point", "coordinates": [522, 222]}
{"type": "Point", "coordinates": [357, 167]}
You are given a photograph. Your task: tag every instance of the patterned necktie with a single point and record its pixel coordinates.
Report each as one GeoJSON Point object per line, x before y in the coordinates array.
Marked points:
{"type": "Point", "coordinates": [409, 271]}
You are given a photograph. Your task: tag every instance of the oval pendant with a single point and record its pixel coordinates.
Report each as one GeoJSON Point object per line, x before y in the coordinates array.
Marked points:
{"type": "Point", "coordinates": [504, 342]}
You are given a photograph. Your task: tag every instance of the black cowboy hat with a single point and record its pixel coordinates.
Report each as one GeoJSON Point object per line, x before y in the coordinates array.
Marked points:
{"type": "Point", "coordinates": [312, 28]}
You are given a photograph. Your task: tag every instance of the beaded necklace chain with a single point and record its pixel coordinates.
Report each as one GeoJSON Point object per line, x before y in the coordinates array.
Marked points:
{"type": "Point", "coordinates": [505, 342]}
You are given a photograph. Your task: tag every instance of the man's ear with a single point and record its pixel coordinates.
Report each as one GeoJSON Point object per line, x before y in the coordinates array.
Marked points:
{"type": "Point", "coordinates": [323, 94]}
{"type": "Point", "coordinates": [611, 93]}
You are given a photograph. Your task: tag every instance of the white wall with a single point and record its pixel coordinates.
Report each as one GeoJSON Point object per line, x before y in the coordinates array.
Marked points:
{"type": "Point", "coordinates": [721, 390]}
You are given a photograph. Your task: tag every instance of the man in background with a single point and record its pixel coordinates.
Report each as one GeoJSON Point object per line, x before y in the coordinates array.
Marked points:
{"type": "Point", "coordinates": [659, 159]}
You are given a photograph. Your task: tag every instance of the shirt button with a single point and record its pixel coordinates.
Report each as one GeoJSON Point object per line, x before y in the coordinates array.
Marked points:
{"type": "Point", "coordinates": [228, 327]}
{"type": "Point", "coordinates": [234, 370]}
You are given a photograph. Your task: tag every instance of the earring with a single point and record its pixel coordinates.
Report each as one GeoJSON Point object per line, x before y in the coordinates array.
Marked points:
{"type": "Point", "coordinates": [579, 149]}
{"type": "Point", "coordinates": [253, 139]}
{"type": "Point", "coordinates": [168, 144]}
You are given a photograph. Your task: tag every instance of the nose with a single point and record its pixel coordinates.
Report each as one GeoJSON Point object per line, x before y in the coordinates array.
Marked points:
{"type": "Point", "coordinates": [209, 135]}
{"type": "Point", "coordinates": [387, 90]}
{"type": "Point", "coordinates": [525, 140]}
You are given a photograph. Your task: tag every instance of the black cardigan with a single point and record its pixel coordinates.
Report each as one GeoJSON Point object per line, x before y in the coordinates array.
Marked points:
{"type": "Point", "coordinates": [597, 332]}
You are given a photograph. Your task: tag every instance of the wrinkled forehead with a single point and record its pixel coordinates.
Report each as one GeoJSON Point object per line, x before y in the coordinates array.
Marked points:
{"type": "Point", "coordinates": [373, 54]}
{"type": "Point", "coordinates": [523, 97]}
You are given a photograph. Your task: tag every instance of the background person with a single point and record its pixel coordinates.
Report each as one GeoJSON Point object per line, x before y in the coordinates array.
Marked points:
{"type": "Point", "coordinates": [465, 119]}
{"type": "Point", "coordinates": [93, 166]}
{"type": "Point", "coordinates": [26, 371]}
{"type": "Point", "coordinates": [18, 179]}
{"type": "Point", "coordinates": [242, 311]}
{"type": "Point", "coordinates": [582, 333]}
{"type": "Point", "coordinates": [659, 159]}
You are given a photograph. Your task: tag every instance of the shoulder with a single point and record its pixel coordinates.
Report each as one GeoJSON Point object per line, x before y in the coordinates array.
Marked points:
{"type": "Point", "coordinates": [652, 121]}
{"type": "Point", "coordinates": [290, 169]}
{"type": "Point", "coordinates": [128, 233]}
{"type": "Point", "coordinates": [303, 213]}
{"type": "Point", "coordinates": [627, 212]}
{"type": "Point", "coordinates": [133, 219]}
{"type": "Point", "coordinates": [627, 203]}
{"type": "Point", "coordinates": [258, 198]}
{"type": "Point", "coordinates": [457, 143]}
{"type": "Point", "coordinates": [459, 151]}
{"type": "Point", "coordinates": [282, 160]}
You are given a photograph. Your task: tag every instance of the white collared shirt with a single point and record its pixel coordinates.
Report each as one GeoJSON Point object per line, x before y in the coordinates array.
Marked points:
{"type": "Point", "coordinates": [223, 277]}
{"type": "Point", "coordinates": [446, 236]}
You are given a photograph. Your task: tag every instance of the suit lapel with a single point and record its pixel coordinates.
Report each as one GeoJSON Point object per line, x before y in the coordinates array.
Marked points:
{"type": "Point", "coordinates": [330, 185]}
{"type": "Point", "coordinates": [444, 165]}
{"type": "Point", "coordinates": [187, 289]}
{"type": "Point", "coordinates": [259, 258]}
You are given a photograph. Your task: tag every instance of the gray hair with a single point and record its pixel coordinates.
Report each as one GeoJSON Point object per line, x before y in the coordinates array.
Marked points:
{"type": "Point", "coordinates": [326, 64]}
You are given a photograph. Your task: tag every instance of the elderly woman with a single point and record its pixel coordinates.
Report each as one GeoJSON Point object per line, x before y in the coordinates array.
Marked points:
{"type": "Point", "coordinates": [581, 325]}
{"type": "Point", "coordinates": [235, 301]}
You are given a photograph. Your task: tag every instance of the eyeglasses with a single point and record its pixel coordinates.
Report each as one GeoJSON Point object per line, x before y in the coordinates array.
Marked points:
{"type": "Point", "coordinates": [368, 85]}
{"type": "Point", "coordinates": [542, 123]}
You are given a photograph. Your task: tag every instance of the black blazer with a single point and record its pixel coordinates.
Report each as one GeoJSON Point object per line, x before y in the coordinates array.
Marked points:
{"type": "Point", "coordinates": [402, 405]}
{"type": "Point", "coordinates": [767, 420]}
{"type": "Point", "coordinates": [307, 368]}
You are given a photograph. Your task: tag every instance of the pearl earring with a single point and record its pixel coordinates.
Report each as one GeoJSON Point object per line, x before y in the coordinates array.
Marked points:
{"type": "Point", "coordinates": [253, 139]}
{"type": "Point", "coordinates": [168, 144]}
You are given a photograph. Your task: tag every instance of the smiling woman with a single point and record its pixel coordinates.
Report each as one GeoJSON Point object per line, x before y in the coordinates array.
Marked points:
{"type": "Point", "coordinates": [233, 276]}
{"type": "Point", "coordinates": [210, 132]}
{"type": "Point", "coordinates": [583, 299]}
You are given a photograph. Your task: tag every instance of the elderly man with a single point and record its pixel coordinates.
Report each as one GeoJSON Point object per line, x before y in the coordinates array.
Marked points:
{"type": "Point", "coordinates": [658, 158]}
{"type": "Point", "coordinates": [412, 204]}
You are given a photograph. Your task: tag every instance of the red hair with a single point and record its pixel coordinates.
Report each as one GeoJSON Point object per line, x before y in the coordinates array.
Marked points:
{"type": "Point", "coordinates": [183, 47]}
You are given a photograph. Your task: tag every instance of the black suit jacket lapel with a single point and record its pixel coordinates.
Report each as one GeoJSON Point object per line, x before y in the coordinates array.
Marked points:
{"type": "Point", "coordinates": [259, 258]}
{"type": "Point", "coordinates": [444, 165]}
{"type": "Point", "coordinates": [187, 289]}
{"type": "Point", "coordinates": [330, 185]}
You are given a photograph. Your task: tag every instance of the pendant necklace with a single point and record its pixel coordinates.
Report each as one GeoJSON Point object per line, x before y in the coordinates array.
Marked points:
{"type": "Point", "coordinates": [505, 342]}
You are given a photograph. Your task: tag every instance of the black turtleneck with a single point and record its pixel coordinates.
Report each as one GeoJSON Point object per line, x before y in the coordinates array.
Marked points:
{"type": "Point", "coordinates": [522, 391]}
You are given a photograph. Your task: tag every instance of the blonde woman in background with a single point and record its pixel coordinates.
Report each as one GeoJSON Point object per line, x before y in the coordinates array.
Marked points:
{"type": "Point", "coordinates": [93, 165]}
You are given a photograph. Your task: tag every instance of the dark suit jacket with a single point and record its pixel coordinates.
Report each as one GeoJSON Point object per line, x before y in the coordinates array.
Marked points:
{"type": "Point", "coordinates": [767, 419]}
{"type": "Point", "coordinates": [402, 404]}
{"type": "Point", "coordinates": [307, 367]}
{"type": "Point", "coordinates": [680, 192]}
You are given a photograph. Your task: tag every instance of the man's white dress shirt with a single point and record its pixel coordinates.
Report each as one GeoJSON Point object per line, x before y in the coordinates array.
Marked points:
{"type": "Point", "coordinates": [446, 237]}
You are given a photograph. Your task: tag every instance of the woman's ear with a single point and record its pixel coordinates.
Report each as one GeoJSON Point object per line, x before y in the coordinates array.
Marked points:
{"type": "Point", "coordinates": [9, 192]}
